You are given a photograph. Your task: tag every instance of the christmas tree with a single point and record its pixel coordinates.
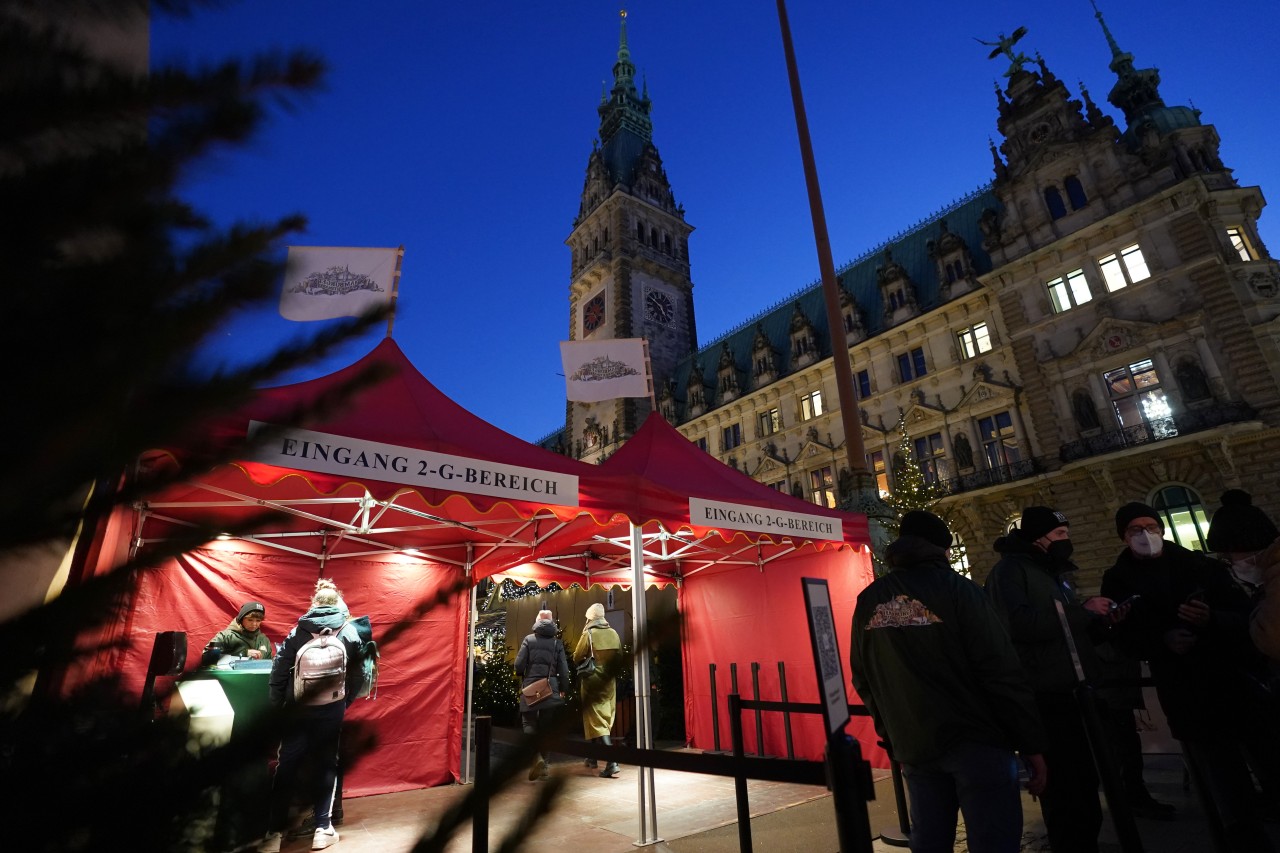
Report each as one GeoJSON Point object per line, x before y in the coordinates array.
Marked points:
{"type": "Point", "coordinates": [911, 489]}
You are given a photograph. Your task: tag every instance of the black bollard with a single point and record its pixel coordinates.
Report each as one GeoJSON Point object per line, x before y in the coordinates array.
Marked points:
{"type": "Point", "coordinates": [715, 711]}
{"type": "Point", "coordinates": [851, 787]}
{"type": "Point", "coordinates": [480, 821]}
{"type": "Point", "coordinates": [755, 697]}
{"type": "Point", "coordinates": [786, 715]}
{"type": "Point", "coordinates": [902, 837]}
{"type": "Point", "coordinates": [739, 779]}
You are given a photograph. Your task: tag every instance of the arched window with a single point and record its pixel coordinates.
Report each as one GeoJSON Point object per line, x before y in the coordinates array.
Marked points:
{"type": "Point", "coordinates": [960, 556]}
{"type": "Point", "coordinates": [1075, 192]}
{"type": "Point", "coordinates": [1182, 512]}
{"type": "Point", "coordinates": [1053, 198]}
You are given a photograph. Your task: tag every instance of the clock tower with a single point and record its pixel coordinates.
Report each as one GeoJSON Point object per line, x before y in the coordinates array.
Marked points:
{"type": "Point", "coordinates": [629, 273]}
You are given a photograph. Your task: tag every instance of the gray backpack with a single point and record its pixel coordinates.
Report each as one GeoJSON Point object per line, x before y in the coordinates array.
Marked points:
{"type": "Point", "coordinates": [320, 670]}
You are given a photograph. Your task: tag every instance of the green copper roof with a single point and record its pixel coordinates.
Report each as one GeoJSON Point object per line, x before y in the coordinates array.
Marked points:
{"type": "Point", "coordinates": [625, 127]}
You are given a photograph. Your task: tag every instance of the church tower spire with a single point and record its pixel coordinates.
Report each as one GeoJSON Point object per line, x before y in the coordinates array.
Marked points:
{"type": "Point", "coordinates": [1137, 91]}
{"type": "Point", "coordinates": [629, 274]}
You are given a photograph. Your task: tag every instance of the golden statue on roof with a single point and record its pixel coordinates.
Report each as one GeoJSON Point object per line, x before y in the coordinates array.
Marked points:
{"type": "Point", "coordinates": [1004, 44]}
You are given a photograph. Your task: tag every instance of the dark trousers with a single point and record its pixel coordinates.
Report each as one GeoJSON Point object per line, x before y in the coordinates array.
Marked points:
{"type": "Point", "coordinates": [311, 734]}
{"type": "Point", "coordinates": [980, 781]}
{"type": "Point", "coordinates": [1126, 746]}
{"type": "Point", "coordinates": [1070, 805]}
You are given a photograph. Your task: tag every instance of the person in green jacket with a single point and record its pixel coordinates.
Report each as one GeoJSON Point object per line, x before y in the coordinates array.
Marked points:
{"type": "Point", "coordinates": [244, 636]}
{"type": "Point", "coordinates": [934, 666]}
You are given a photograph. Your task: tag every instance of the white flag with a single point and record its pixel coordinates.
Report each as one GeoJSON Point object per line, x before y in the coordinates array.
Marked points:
{"type": "Point", "coordinates": [605, 370]}
{"type": "Point", "coordinates": [322, 282]}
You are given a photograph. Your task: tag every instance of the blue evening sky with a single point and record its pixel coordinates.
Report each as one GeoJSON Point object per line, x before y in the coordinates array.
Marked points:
{"type": "Point", "coordinates": [461, 130]}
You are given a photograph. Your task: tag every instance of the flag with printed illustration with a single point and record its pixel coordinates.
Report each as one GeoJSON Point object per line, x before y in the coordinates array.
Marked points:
{"type": "Point", "coordinates": [325, 282]}
{"type": "Point", "coordinates": [605, 370]}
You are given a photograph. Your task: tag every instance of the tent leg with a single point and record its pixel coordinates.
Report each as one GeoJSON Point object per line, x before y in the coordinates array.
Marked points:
{"type": "Point", "coordinates": [465, 771]}
{"type": "Point", "coordinates": [640, 668]}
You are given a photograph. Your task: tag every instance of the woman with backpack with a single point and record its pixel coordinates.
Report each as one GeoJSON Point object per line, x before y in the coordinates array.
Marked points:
{"type": "Point", "coordinates": [314, 677]}
{"type": "Point", "coordinates": [541, 656]}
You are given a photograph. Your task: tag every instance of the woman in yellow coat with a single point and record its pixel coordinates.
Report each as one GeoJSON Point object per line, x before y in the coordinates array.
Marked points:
{"type": "Point", "coordinates": [599, 690]}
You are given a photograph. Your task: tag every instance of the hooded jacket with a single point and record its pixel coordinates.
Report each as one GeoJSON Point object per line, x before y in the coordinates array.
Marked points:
{"type": "Point", "coordinates": [926, 638]}
{"type": "Point", "coordinates": [541, 655]}
{"type": "Point", "coordinates": [314, 621]}
{"type": "Point", "coordinates": [1023, 587]}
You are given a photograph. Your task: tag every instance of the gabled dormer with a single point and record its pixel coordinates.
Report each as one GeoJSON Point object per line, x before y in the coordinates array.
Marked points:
{"type": "Point", "coordinates": [695, 391]}
{"type": "Point", "coordinates": [727, 386]}
{"type": "Point", "coordinates": [851, 318]}
{"type": "Point", "coordinates": [897, 290]}
{"type": "Point", "coordinates": [804, 339]}
{"type": "Point", "coordinates": [954, 262]}
{"type": "Point", "coordinates": [667, 403]}
{"type": "Point", "coordinates": [764, 359]}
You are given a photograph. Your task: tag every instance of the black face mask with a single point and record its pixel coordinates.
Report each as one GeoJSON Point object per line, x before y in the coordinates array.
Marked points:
{"type": "Point", "coordinates": [1059, 551]}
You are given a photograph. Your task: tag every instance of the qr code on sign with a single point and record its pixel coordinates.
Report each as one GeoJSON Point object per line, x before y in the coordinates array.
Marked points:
{"type": "Point", "coordinates": [824, 630]}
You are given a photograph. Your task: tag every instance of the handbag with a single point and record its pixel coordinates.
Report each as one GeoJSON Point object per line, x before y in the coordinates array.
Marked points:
{"type": "Point", "coordinates": [536, 691]}
{"type": "Point", "coordinates": [587, 666]}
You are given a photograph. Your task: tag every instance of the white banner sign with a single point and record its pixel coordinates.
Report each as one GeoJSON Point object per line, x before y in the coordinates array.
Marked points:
{"type": "Point", "coordinates": [322, 283]}
{"type": "Point", "coordinates": [777, 522]}
{"type": "Point", "coordinates": [604, 370]}
{"type": "Point", "coordinates": [308, 450]}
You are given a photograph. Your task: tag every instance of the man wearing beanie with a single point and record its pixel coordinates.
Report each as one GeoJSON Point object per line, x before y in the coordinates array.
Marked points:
{"type": "Point", "coordinates": [244, 636]}
{"type": "Point", "coordinates": [1026, 587]}
{"type": "Point", "coordinates": [1189, 622]}
{"type": "Point", "coordinates": [935, 667]}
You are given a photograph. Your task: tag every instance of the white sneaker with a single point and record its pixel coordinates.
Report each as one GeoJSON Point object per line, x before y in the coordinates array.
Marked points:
{"type": "Point", "coordinates": [323, 838]}
{"type": "Point", "coordinates": [270, 843]}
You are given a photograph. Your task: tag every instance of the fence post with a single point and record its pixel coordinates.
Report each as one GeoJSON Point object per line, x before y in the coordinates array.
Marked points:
{"type": "Point", "coordinates": [480, 822]}
{"type": "Point", "coordinates": [902, 837]}
{"type": "Point", "coordinates": [739, 776]}
{"type": "Point", "coordinates": [786, 715]}
{"type": "Point", "coordinates": [715, 711]}
{"type": "Point", "coordinates": [755, 697]}
{"type": "Point", "coordinates": [850, 789]}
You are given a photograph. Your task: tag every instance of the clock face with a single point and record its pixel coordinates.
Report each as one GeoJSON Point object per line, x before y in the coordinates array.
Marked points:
{"type": "Point", "coordinates": [593, 313]}
{"type": "Point", "coordinates": [658, 307]}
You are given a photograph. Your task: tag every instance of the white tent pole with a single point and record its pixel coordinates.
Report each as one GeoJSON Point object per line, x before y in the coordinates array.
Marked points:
{"type": "Point", "coordinates": [640, 671]}
{"type": "Point", "coordinates": [466, 770]}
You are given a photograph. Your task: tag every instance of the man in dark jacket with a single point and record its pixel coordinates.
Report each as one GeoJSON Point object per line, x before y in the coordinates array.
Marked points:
{"type": "Point", "coordinates": [1190, 623]}
{"type": "Point", "coordinates": [311, 731]}
{"type": "Point", "coordinates": [935, 667]}
{"type": "Point", "coordinates": [1029, 588]}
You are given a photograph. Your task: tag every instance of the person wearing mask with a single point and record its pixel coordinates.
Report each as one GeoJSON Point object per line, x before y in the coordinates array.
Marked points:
{"type": "Point", "coordinates": [599, 689]}
{"type": "Point", "coordinates": [541, 655]}
{"type": "Point", "coordinates": [924, 637]}
{"type": "Point", "coordinates": [1189, 623]}
{"type": "Point", "coordinates": [1247, 538]}
{"type": "Point", "coordinates": [243, 637]}
{"type": "Point", "coordinates": [312, 721]}
{"type": "Point", "coordinates": [1031, 589]}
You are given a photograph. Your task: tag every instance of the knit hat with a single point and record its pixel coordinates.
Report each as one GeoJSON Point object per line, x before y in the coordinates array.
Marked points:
{"type": "Point", "coordinates": [1239, 526]}
{"type": "Point", "coordinates": [926, 526]}
{"type": "Point", "coordinates": [1132, 510]}
{"type": "Point", "coordinates": [544, 616]}
{"type": "Point", "coordinates": [250, 607]}
{"type": "Point", "coordinates": [1039, 521]}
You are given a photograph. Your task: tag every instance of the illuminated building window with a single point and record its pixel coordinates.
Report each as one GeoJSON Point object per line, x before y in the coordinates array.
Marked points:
{"type": "Point", "coordinates": [1139, 402]}
{"type": "Point", "coordinates": [1123, 268]}
{"type": "Point", "coordinates": [1068, 291]}
{"type": "Point", "coordinates": [822, 487]}
{"type": "Point", "coordinates": [974, 340]}
{"type": "Point", "coordinates": [811, 405]}
{"type": "Point", "coordinates": [1240, 243]}
{"type": "Point", "coordinates": [1182, 512]}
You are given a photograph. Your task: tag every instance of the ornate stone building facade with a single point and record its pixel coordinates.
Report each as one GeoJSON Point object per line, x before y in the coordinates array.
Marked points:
{"type": "Point", "coordinates": [1098, 325]}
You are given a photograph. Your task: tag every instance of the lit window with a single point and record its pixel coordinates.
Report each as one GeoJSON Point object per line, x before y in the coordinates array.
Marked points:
{"type": "Point", "coordinates": [1123, 268]}
{"type": "Point", "coordinates": [875, 461]}
{"type": "Point", "coordinates": [959, 556]}
{"type": "Point", "coordinates": [863, 380]}
{"type": "Point", "coordinates": [1184, 517]}
{"type": "Point", "coordinates": [1068, 291]}
{"type": "Point", "coordinates": [1139, 402]}
{"type": "Point", "coordinates": [731, 437]}
{"type": "Point", "coordinates": [823, 487]}
{"type": "Point", "coordinates": [974, 340]}
{"type": "Point", "coordinates": [999, 444]}
{"type": "Point", "coordinates": [811, 405]}
{"type": "Point", "coordinates": [911, 365]}
{"type": "Point", "coordinates": [1240, 243]}
{"type": "Point", "coordinates": [770, 422]}
{"type": "Point", "coordinates": [929, 453]}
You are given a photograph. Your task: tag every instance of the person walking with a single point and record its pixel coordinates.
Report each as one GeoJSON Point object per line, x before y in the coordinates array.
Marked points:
{"type": "Point", "coordinates": [598, 688]}
{"type": "Point", "coordinates": [541, 655]}
{"type": "Point", "coordinates": [1029, 587]}
{"type": "Point", "coordinates": [935, 667]}
{"type": "Point", "coordinates": [315, 676]}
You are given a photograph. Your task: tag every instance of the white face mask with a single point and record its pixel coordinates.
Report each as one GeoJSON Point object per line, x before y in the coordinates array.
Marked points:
{"type": "Point", "coordinates": [1146, 544]}
{"type": "Point", "coordinates": [1247, 569]}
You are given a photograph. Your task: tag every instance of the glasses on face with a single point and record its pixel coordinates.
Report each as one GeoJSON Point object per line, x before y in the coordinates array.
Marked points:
{"type": "Point", "coordinates": [1135, 529]}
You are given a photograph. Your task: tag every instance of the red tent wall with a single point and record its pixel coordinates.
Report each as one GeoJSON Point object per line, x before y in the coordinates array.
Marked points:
{"type": "Point", "coordinates": [742, 616]}
{"type": "Point", "coordinates": [417, 715]}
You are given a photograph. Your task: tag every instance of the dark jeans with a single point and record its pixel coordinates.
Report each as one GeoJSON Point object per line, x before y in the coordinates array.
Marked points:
{"type": "Point", "coordinates": [1070, 805]}
{"type": "Point", "coordinates": [979, 780]}
{"type": "Point", "coordinates": [311, 734]}
{"type": "Point", "coordinates": [1220, 764]}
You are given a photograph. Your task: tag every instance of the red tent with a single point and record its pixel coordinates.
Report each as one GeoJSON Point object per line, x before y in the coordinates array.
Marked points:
{"type": "Point", "coordinates": [737, 549]}
{"type": "Point", "coordinates": [397, 496]}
